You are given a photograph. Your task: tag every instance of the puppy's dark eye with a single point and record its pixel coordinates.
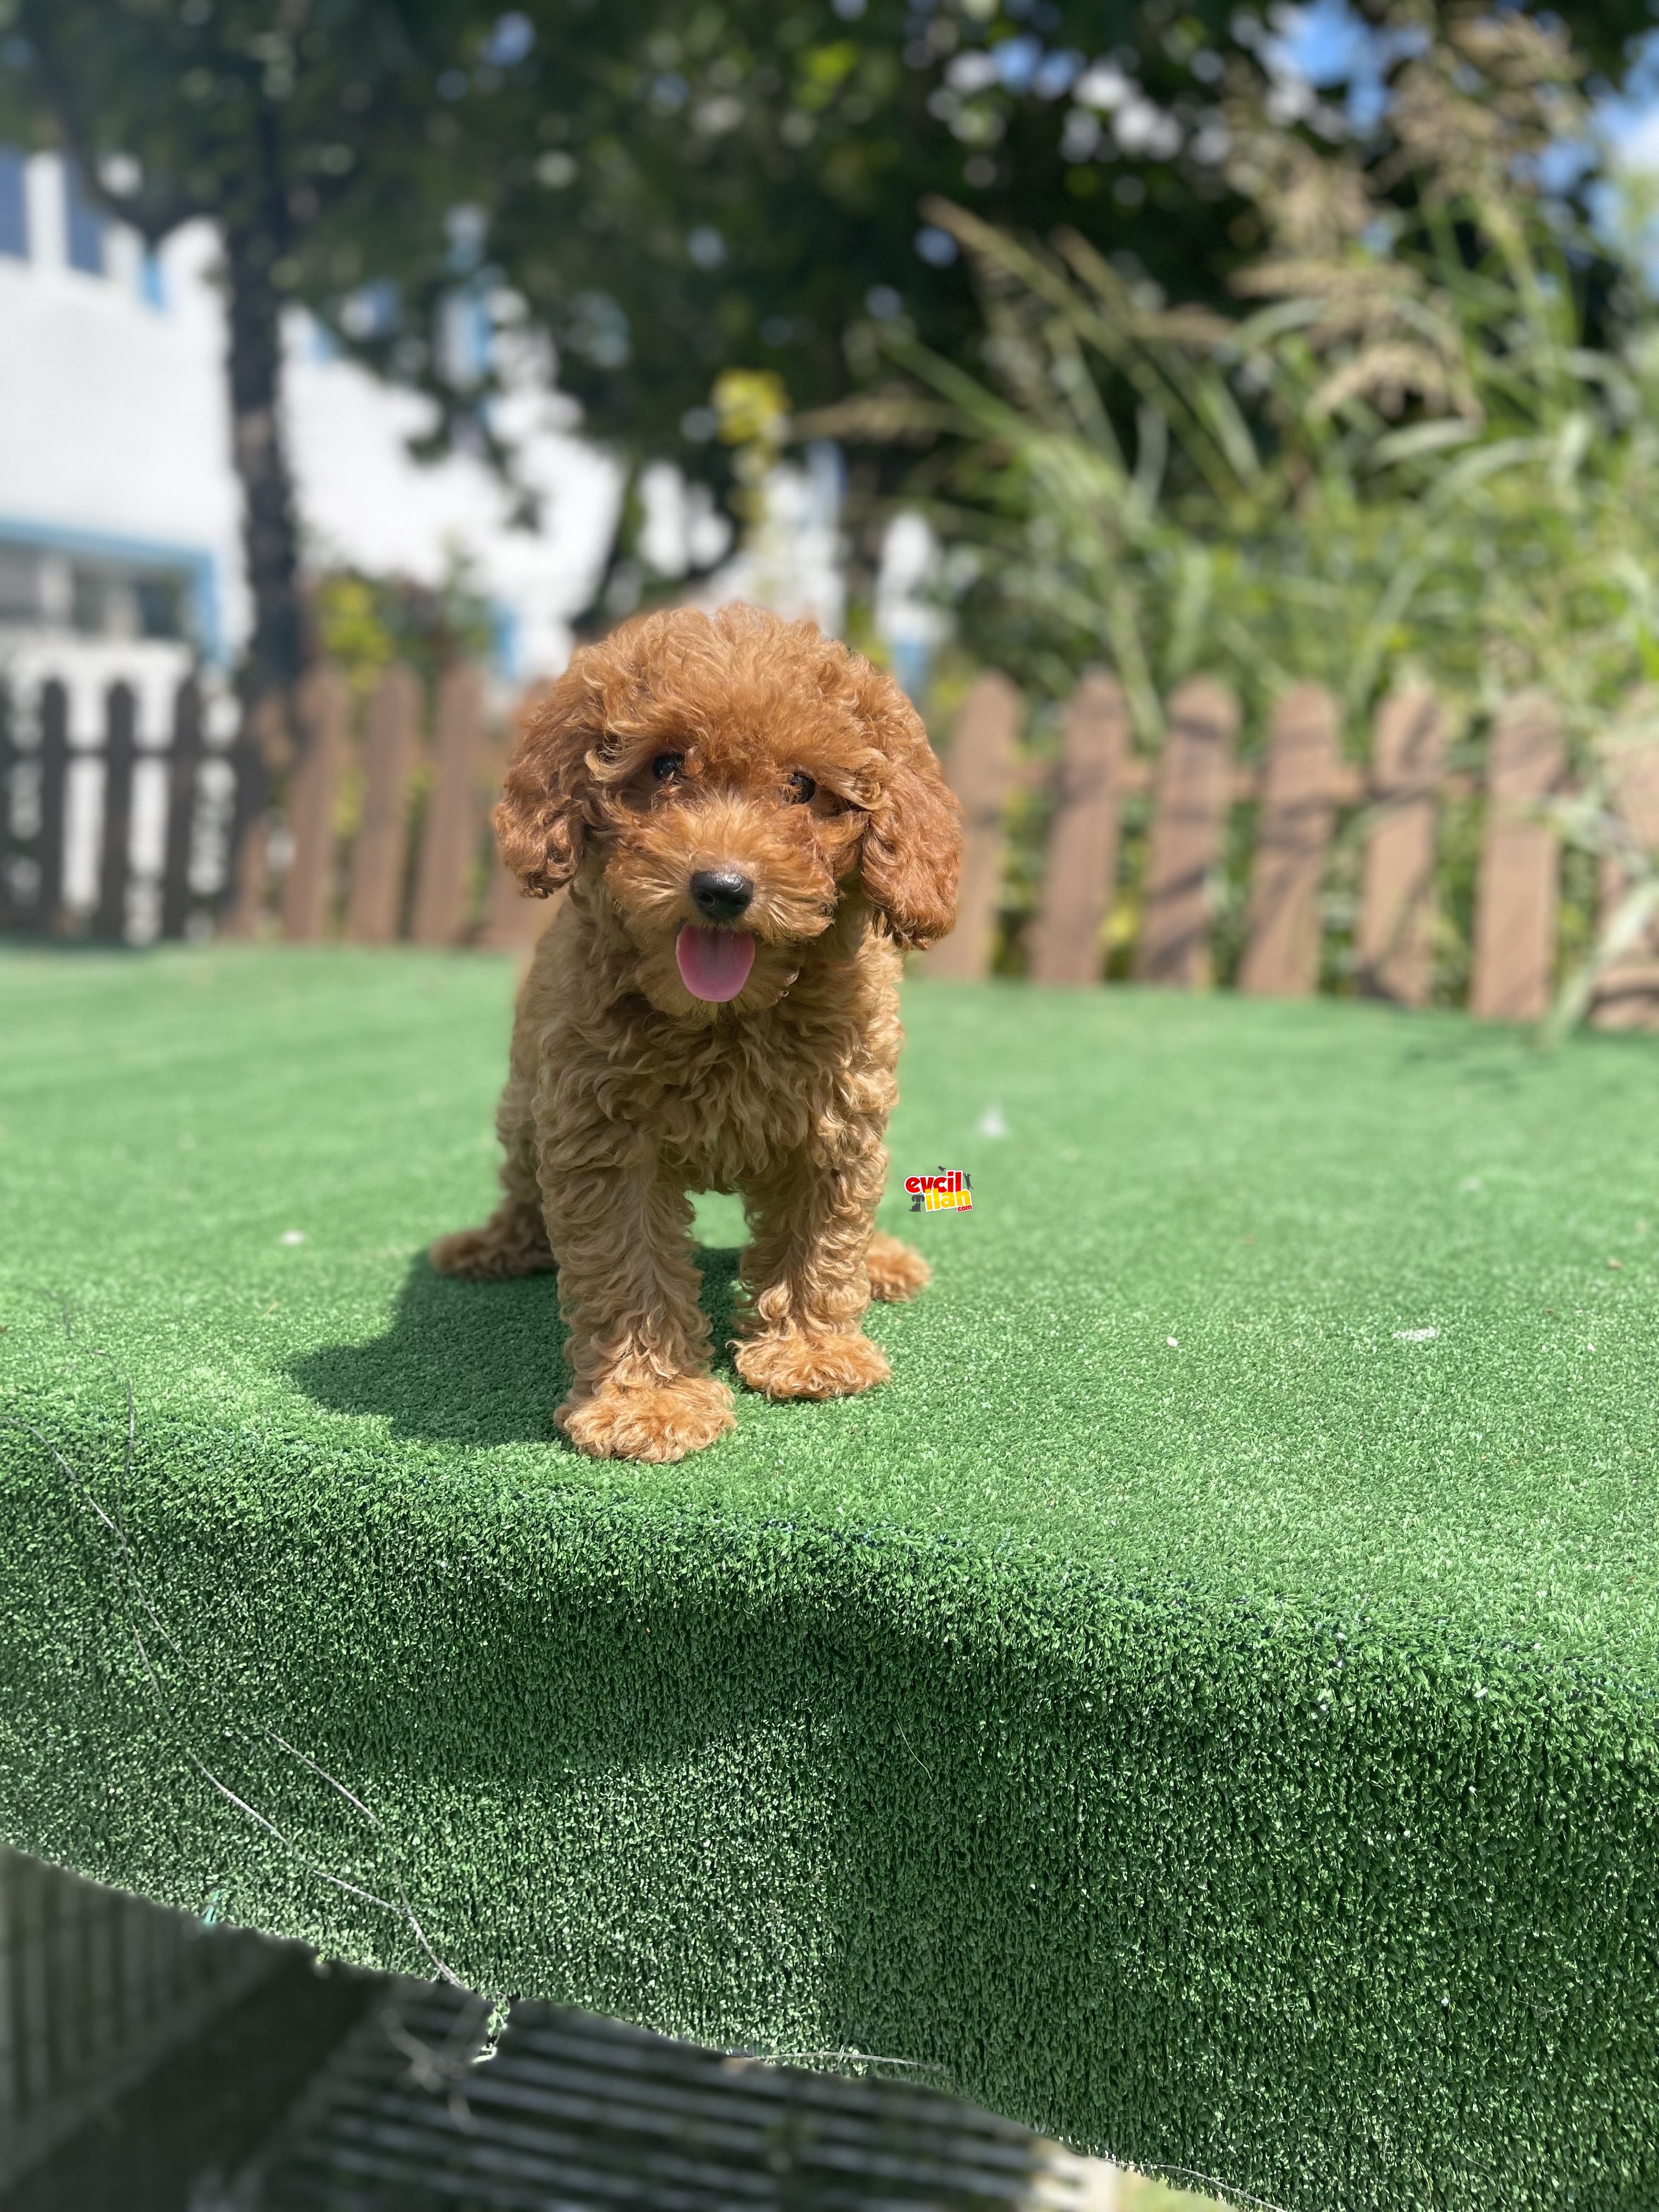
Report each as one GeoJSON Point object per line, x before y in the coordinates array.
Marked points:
{"type": "Point", "coordinates": [802, 788]}
{"type": "Point", "coordinates": [667, 766]}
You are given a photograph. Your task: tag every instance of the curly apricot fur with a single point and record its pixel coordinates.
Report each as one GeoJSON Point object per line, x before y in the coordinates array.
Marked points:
{"type": "Point", "coordinates": [688, 742]}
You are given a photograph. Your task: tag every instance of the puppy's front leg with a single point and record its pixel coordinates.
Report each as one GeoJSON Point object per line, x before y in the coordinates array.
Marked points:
{"type": "Point", "coordinates": [807, 1277]}
{"type": "Point", "coordinates": [638, 1342]}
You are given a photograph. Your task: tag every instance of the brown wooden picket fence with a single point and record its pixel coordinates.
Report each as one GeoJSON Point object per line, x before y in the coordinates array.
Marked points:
{"type": "Point", "coordinates": [41, 757]}
{"type": "Point", "coordinates": [1299, 791]}
{"type": "Point", "coordinates": [383, 833]}
{"type": "Point", "coordinates": [419, 863]}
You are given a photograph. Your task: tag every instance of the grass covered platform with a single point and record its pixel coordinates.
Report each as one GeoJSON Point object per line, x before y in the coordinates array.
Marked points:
{"type": "Point", "coordinates": [1204, 1706]}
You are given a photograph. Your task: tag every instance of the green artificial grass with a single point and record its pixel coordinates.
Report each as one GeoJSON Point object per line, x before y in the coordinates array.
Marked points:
{"type": "Point", "coordinates": [1204, 1706]}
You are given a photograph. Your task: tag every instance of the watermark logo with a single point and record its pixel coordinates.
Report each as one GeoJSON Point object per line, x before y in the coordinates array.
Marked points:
{"type": "Point", "coordinates": [950, 1191]}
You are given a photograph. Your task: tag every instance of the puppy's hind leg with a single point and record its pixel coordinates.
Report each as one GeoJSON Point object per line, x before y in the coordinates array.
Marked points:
{"type": "Point", "coordinates": [514, 1241]}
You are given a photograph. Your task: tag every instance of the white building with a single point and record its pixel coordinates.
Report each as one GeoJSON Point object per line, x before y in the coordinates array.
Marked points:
{"type": "Point", "coordinates": [120, 548]}
{"type": "Point", "coordinates": [119, 506]}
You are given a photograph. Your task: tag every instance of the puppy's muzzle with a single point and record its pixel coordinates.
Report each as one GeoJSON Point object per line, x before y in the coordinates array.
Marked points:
{"type": "Point", "coordinates": [722, 894]}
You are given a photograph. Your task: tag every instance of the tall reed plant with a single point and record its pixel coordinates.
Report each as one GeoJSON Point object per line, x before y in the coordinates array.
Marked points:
{"type": "Point", "coordinates": [1426, 442]}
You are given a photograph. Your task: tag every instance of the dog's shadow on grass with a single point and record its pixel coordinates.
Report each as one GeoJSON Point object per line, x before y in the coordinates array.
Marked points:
{"type": "Point", "coordinates": [478, 1363]}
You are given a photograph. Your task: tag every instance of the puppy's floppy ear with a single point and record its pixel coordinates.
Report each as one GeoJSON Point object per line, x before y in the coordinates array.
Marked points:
{"type": "Point", "coordinates": [540, 818]}
{"type": "Point", "coordinates": [913, 845]}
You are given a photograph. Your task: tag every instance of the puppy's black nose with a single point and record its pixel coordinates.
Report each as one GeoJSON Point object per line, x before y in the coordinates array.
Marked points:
{"type": "Point", "coordinates": [720, 893]}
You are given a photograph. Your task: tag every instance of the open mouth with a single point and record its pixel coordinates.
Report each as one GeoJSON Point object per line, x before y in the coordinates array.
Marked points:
{"type": "Point", "coordinates": [714, 964]}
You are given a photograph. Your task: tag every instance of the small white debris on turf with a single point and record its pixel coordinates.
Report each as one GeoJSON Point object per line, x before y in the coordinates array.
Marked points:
{"type": "Point", "coordinates": [1416, 1335]}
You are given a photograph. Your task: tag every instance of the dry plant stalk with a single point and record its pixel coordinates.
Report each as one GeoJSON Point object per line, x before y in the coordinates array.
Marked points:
{"type": "Point", "coordinates": [1411, 453]}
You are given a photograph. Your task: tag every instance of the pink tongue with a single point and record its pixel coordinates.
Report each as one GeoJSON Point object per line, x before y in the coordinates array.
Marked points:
{"type": "Point", "coordinates": [714, 964]}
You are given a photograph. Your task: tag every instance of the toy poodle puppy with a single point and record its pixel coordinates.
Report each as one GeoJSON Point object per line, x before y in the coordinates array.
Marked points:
{"type": "Point", "coordinates": [753, 828]}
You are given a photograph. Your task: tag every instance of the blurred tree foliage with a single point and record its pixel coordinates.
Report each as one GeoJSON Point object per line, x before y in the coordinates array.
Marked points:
{"type": "Point", "coordinates": [670, 192]}
{"type": "Point", "coordinates": [681, 189]}
{"type": "Point", "coordinates": [676, 191]}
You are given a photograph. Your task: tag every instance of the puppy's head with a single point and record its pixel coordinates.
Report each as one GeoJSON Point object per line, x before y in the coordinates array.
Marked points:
{"type": "Point", "coordinates": [727, 782]}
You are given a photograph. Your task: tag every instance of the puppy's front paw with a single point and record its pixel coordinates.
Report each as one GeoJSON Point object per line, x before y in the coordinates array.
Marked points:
{"type": "Point", "coordinates": [660, 1421]}
{"type": "Point", "coordinates": [799, 1366]}
{"type": "Point", "coordinates": [895, 1271]}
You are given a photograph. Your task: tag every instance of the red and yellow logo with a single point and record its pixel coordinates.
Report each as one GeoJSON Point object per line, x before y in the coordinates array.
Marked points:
{"type": "Point", "coordinates": [950, 1191]}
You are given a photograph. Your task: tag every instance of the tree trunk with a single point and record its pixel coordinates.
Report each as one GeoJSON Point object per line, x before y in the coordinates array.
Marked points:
{"type": "Point", "coordinates": [255, 235]}
{"type": "Point", "coordinates": [277, 648]}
